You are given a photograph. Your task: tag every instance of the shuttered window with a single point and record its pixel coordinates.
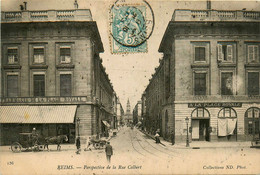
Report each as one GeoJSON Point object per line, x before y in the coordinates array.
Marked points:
{"type": "Point", "coordinates": [12, 54]}
{"type": "Point", "coordinates": [200, 54]}
{"type": "Point", "coordinates": [65, 54]}
{"type": "Point", "coordinates": [200, 84]}
{"type": "Point", "coordinates": [65, 85]}
{"type": "Point", "coordinates": [39, 85]}
{"type": "Point", "coordinates": [225, 52]}
{"type": "Point", "coordinates": [38, 55]}
{"type": "Point", "coordinates": [253, 83]}
{"type": "Point", "coordinates": [253, 53]}
{"type": "Point", "coordinates": [226, 83]}
{"type": "Point", "coordinates": [12, 86]}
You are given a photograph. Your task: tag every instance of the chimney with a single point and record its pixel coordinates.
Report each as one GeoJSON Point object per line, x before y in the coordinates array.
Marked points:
{"type": "Point", "coordinates": [25, 5]}
{"type": "Point", "coordinates": [76, 5]}
{"type": "Point", "coordinates": [208, 5]}
{"type": "Point", "coordinates": [21, 7]}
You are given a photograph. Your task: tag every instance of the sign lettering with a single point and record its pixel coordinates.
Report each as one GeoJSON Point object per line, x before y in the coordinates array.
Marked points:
{"type": "Point", "coordinates": [226, 104]}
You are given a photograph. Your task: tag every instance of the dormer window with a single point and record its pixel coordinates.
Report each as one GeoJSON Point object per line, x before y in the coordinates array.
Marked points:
{"type": "Point", "coordinates": [12, 54]}
{"type": "Point", "coordinates": [65, 54]}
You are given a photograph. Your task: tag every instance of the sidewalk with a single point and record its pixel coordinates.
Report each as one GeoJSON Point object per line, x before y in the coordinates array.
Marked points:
{"type": "Point", "coordinates": [202, 144]}
{"type": "Point", "coordinates": [64, 147]}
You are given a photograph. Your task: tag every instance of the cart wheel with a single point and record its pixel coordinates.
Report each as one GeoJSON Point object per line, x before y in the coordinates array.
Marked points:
{"type": "Point", "coordinates": [16, 147]}
{"type": "Point", "coordinates": [41, 147]}
{"type": "Point", "coordinates": [102, 145]}
{"type": "Point", "coordinates": [96, 145]}
{"type": "Point", "coordinates": [36, 147]}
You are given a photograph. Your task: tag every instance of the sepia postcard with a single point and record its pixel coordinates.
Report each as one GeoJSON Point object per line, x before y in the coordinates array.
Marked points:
{"type": "Point", "coordinates": [130, 87]}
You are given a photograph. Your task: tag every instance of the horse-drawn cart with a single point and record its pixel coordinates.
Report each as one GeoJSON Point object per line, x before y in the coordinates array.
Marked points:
{"type": "Point", "coordinates": [27, 141]}
{"type": "Point", "coordinates": [97, 143]}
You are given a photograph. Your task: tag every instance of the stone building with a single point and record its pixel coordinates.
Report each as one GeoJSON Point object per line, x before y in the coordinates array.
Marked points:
{"type": "Point", "coordinates": [120, 113]}
{"type": "Point", "coordinates": [52, 75]}
{"type": "Point", "coordinates": [209, 74]}
{"type": "Point", "coordinates": [137, 112]}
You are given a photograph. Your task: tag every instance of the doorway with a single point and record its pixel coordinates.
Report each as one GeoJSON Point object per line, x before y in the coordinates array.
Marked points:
{"type": "Point", "coordinates": [200, 129]}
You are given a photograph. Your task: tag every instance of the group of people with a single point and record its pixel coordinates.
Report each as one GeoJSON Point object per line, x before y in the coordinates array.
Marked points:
{"type": "Point", "coordinates": [157, 137]}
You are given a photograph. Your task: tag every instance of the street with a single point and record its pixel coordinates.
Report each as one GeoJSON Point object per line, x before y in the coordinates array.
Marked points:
{"type": "Point", "coordinates": [134, 153]}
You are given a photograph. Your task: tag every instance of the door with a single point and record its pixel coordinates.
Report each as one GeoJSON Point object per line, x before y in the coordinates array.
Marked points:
{"type": "Point", "coordinates": [195, 129]}
{"type": "Point", "coordinates": [204, 130]}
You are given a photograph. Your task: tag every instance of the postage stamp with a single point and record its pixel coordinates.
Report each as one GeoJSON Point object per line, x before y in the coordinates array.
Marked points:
{"type": "Point", "coordinates": [131, 24]}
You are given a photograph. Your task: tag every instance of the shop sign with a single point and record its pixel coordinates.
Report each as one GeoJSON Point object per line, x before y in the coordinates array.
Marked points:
{"type": "Point", "coordinates": [212, 105]}
{"type": "Point", "coordinates": [71, 99]}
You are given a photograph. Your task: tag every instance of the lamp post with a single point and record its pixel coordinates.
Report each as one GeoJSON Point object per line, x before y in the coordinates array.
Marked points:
{"type": "Point", "coordinates": [187, 139]}
{"type": "Point", "coordinates": [78, 122]}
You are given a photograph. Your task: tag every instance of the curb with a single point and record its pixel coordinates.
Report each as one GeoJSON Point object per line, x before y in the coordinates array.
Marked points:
{"type": "Point", "coordinates": [201, 147]}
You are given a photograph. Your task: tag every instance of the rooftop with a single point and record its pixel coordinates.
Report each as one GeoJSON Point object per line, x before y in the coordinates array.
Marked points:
{"type": "Point", "coordinates": [215, 15]}
{"type": "Point", "coordinates": [46, 15]}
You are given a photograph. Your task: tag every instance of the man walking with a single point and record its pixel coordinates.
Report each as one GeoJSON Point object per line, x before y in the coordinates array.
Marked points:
{"type": "Point", "coordinates": [109, 151]}
{"type": "Point", "coordinates": [157, 139]}
{"type": "Point", "coordinates": [78, 145]}
{"type": "Point", "coordinates": [173, 137]}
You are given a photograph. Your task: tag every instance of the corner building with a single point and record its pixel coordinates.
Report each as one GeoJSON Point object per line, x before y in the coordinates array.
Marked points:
{"type": "Point", "coordinates": [214, 76]}
{"type": "Point", "coordinates": [52, 75]}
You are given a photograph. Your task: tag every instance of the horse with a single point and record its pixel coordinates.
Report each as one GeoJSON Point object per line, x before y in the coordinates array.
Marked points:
{"type": "Point", "coordinates": [56, 139]}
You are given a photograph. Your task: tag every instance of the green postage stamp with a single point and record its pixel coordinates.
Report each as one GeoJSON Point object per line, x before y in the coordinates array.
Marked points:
{"type": "Point", "coordinates": [131, 24]}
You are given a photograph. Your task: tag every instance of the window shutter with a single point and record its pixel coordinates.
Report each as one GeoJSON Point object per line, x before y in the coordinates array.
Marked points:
{"type": "Point", "coordinates": [250, 53]}
{"type": "Point", "coordinates": [229, 53]}
{"type": "Point", "coordinates": [255, 57]}
{"type": "Point", "coordinates": [220, 57]}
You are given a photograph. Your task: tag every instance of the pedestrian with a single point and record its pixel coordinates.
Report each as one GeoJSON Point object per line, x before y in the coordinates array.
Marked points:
{"type": "Point", "coordinates": [34, 136]}
{"type": "Point", "coordinates": [173, 137]}
{"type": "Point", "coordinates": [89, 141]}
{"type": "Point", "coordinates": [157, 139]}
{"type": "Point", "coordinates": [78, 145]}
{"type": "Point", "coordinates": [109, 151]}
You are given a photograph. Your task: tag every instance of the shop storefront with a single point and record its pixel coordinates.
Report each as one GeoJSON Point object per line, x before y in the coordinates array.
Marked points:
{"type": "Point", "coordinates": [216, 121]}
{"type": "Point", "coordinates": [200, 123]}
{"type": "Point", "coordinates": [48, 121]}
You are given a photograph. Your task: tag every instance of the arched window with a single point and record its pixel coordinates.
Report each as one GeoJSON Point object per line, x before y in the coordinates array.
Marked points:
{"type": "Point", "coordinates": [227, 122]}
{"type": "Point", "coordinates": [200, 113]}
{"type": "Point", "coordinates": [252, 116]}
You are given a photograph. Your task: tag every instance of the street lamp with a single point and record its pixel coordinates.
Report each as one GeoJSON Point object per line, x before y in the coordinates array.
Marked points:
{"type": "Point", "coordinates": [78, 122]}
{"type": "Point", "coordinates": [187, 139]}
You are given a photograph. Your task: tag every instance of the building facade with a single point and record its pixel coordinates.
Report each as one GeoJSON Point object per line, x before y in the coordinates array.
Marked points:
{"type": "Point", "coordinates": [137, 113]}
{"type": "Point", "coordinates": [211, 77]}
{"type": "Point", "coordinates": [52, 75]}
{"type": "Point", "coordinates": [120, 113]}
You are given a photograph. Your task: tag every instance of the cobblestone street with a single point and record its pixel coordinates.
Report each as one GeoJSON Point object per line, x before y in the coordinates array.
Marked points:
{"type": "Point", "coordinates": [134, 153]}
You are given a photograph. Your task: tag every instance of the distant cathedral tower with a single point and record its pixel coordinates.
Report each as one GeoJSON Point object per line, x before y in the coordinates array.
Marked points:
{"type": "Point", "coordinates": [128, 111]}
{"type": "Point", "coordinates": [128, 115]}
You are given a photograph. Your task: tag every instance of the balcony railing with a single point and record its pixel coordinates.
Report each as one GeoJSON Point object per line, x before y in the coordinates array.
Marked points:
{"type": "Point", "coordinates": [215, 15]}
{"type": "Point", "coordinates": [47, 15]}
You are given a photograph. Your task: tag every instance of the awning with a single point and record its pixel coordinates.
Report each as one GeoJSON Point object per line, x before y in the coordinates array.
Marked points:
{"type": "Point", "coordinates": [106, 123]}
{"type": "Point", "coordinates": [37, 114]}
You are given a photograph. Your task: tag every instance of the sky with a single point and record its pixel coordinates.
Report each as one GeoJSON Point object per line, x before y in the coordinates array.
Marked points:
{"type": "Point", "coordinates": [130, 73]}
